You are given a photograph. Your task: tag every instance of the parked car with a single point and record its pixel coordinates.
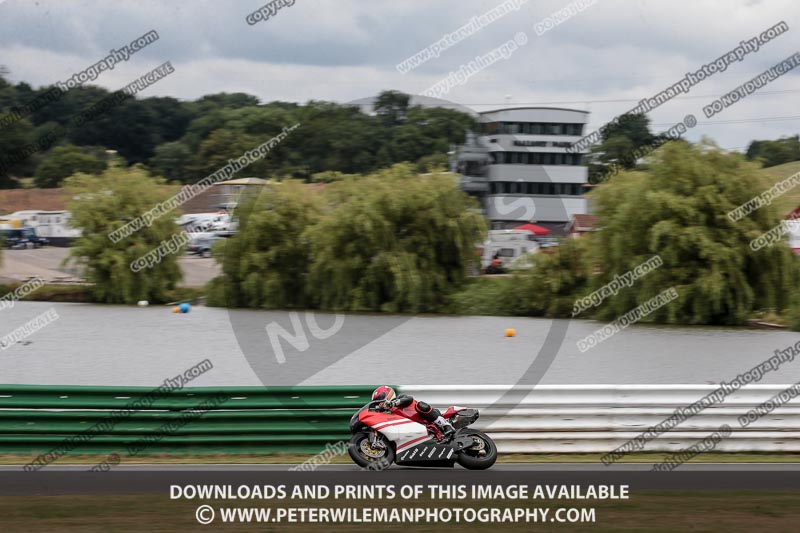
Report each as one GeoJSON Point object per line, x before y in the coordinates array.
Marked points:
{"type": "Point", "coordinates": [202, 245]}
{"type": "Point", "coordinates": [22, 238]}
{"type": "Point", "coordinates": [30, 234]}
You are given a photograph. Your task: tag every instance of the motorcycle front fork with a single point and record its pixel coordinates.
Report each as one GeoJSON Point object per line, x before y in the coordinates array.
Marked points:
{"type": "Point", "coordinates": [375, 439]}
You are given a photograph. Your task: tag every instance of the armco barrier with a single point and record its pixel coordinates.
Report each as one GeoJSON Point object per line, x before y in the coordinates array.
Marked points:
{"type": "Point", "coordinates": [251, 420]}
{"type": "Point", "coordinates": [256, 420]}
{"type": "Point", "coordinates": [600, 418]}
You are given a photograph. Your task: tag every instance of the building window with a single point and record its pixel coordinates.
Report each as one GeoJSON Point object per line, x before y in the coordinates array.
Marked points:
{"type": "Point", "coordinates": [535, 188]}
{"type": "Point", "coordinates": [531, 128]}
{"type": "Point", "coordinates": [535, 158]}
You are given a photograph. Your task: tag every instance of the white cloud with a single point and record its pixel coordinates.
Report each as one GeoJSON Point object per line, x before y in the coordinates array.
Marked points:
{"type": "Point", "coordinates": [341, 50]}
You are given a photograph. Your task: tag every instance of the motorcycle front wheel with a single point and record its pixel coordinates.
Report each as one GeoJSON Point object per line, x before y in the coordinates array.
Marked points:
{"type": "Point", "coordinates": [367, 455]}
{"type": "Point", "coordinates": [481, 455]}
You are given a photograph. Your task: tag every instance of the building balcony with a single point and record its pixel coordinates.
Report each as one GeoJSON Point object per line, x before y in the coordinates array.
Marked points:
{"type": "Point", "coordinates": [475, 184]}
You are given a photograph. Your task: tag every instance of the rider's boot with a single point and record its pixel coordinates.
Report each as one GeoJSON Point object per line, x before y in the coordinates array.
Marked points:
{"type": "Point", "coordinates": [445, 427]}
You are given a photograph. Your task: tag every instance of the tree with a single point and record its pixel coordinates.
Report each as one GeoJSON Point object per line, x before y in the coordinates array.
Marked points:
{"type": "Point", "coordinates": [103, 204]}
{"type": "Point", "coordinates": [441, 127]}
{"type": "Point", "coordinates": [172, 160]}
{"type": "Point", "coordinates": [217, 127]}
{"type": "Point", "coordinates": [678, 210]}
{"type": "Point", "coordinates": [15, 142]}
{"type": "Point", "coordinates": [431, 163]}
{"type": "Point", "coordinates": [266, 263]}
{"type": "Point", "coordinates": [408, 143]}
{"type": "Point", "coordinates": [391, 106]}
{"type": "Point", "coordinates": [218, 148]}
{"type": "Point", "coordinates": [772, 153]}
{"type": "Point", "coordinates": [64, 161]}
{"type": "Point", "coordinates": [14, 137]}
{"type": "Point", "coordinates": [337, 138]}
{"type": "Point", "coordinates": [556, 279]}
{"type": "Point", "coordinates": [131, 128]}
{"type": "Point", "coordinates": [393, 241]}
{"type": "Point", "coordinates": [224, 100]}
{"type": "Point", "coordinates": [621, 139]}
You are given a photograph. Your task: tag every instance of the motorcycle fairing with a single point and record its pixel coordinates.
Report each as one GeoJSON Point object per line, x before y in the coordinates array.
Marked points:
{"type": "Point", "coordinates": [427, 454]}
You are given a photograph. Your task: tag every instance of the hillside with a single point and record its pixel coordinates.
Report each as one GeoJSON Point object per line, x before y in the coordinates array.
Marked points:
{"type": "Point", "coordinates": [791, 199]}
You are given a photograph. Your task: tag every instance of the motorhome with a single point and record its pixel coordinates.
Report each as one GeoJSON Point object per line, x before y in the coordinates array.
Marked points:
{"type": "Point", "coordinates": [51, 225]}
{"type": "Point", "coordinates": [510, 246]}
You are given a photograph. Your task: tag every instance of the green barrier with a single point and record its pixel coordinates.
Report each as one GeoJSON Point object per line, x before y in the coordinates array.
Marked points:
{"type": "Point", "coordinates": [239, 420]}
{"type": "Point", "coordinates": [42, 396]}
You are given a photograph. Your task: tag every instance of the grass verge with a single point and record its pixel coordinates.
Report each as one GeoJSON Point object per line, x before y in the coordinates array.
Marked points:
{"type": "Point", "coordinates": [652, 511]}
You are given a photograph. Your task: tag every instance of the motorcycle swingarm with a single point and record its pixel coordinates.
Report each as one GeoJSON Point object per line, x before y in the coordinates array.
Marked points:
{"type": "Point", "coordinates": [462, 441]}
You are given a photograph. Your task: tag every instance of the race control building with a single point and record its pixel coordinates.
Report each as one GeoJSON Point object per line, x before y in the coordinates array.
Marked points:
{"type": "Point", "coordinates": [518, 166]}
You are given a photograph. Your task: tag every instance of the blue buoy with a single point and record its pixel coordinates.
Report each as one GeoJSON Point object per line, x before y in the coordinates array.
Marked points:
{"type": "Point", "coordinates": [185, 307]}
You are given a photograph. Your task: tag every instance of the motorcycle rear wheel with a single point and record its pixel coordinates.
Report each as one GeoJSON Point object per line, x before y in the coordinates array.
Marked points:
{"type": "Point", "coordinates": [364, 455]}
{"type": "Point", "coordinates": [470, 458]}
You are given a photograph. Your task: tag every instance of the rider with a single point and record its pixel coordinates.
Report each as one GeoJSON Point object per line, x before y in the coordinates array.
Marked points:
{"type": "Point", "coordinates": [407, 406]}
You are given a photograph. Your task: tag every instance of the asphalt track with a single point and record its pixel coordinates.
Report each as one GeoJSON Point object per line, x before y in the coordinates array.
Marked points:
{"type": "Point", "coordinates": [500, 467]}
{"type": "Point", "coordinates": [157, 479]}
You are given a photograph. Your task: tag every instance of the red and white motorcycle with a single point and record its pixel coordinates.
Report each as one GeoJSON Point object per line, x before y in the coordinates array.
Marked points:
{"type": "Point", "coordinates": [381, 438]}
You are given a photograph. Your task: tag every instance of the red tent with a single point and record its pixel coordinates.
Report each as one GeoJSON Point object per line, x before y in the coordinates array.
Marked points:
{"type": "Point", "coordinates": [533, 228]}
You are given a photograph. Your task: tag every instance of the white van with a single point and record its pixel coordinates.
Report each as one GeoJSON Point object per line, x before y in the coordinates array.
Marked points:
{"type": "Point", "coordinates": [508, 245]}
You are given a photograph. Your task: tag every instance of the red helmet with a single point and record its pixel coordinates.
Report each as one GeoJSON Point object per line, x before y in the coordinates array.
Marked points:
{"type": "Point", "coordinates": [383, 393]}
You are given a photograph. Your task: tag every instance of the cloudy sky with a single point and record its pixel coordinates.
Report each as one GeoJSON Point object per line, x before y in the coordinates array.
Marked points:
{"type": "Point", "coordinates": [603, 59]}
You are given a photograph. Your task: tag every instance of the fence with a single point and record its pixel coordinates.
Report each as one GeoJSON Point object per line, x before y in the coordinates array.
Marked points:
{"type": "Point", "coordinates": [599, 418]}
{"type": "Point", "coordinates": [245, 420]}
{"type": "Point", "coordinates": [262, 420]}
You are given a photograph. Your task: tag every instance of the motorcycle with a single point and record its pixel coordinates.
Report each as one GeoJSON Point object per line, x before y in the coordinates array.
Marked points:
{"type": "Point", "coordinates": [381, 438]}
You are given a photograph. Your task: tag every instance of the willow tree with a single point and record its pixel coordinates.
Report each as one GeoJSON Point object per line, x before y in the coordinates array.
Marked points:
{"type": "Point", "coordinates": [394, 241]}
{"type": "Point", "coordinates": [678, 210]}
{"type": "Point", "coordinates": [104, 203]}
{"type": "Point", "coordinates": [266, 263]}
